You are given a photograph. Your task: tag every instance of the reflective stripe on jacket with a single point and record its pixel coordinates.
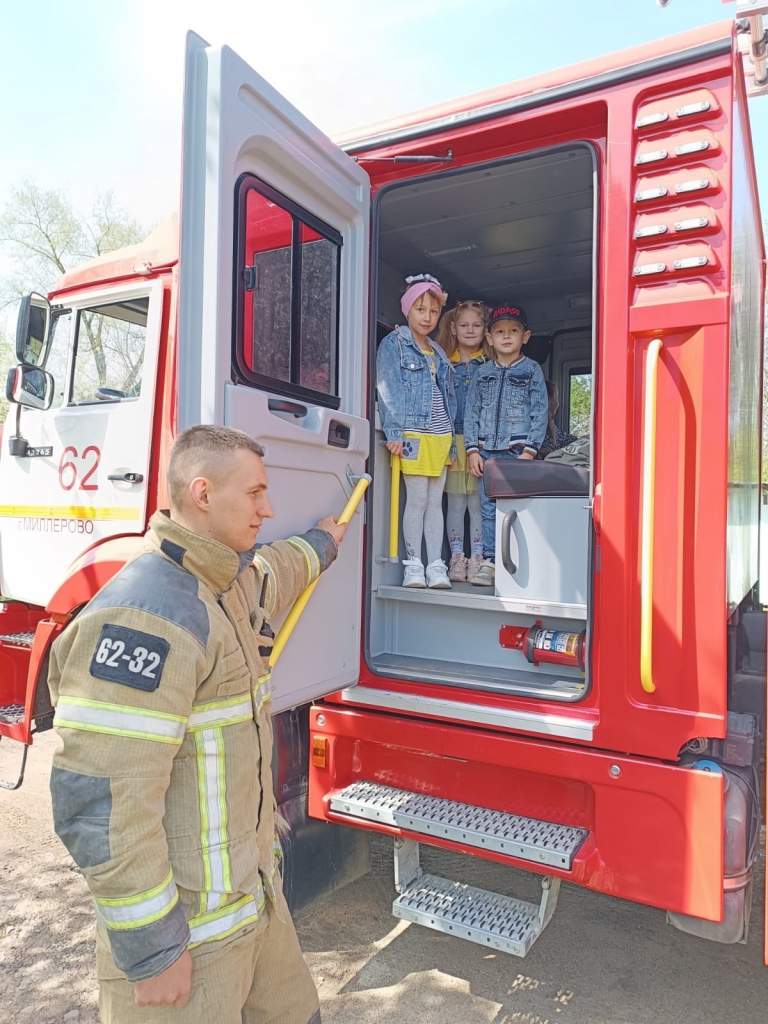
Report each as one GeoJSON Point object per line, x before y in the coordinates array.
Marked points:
{"type": "Point", "coordinates": [162, 788]}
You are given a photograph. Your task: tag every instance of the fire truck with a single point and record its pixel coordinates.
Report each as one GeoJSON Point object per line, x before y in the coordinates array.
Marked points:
{"type": "Point", "coordinates": [597, 717]}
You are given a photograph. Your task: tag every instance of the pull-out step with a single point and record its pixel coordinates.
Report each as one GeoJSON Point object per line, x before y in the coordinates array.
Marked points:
{"type": "Point", "coordinates": [17, 639]}
{"type": "Point", "coordinates": [541, 842]}
{"type": "Point", "coordinates": [487, 918]}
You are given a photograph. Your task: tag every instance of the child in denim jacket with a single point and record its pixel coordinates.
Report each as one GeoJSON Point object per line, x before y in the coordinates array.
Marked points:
{"type": "Point", "coordinates": [505, 415]}
{"type": "Point", "coordinates": [417, 406]}
{"type": "Point", "coordinates": [462, 338]}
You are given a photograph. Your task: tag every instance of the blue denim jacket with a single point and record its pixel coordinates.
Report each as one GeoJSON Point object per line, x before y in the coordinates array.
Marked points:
{"type": "Point", "coordinates": [462, 374]}
{"type": "Point", "coordinates": [404, 384]}
{"type": "Point", "coordinates": [506, 404]}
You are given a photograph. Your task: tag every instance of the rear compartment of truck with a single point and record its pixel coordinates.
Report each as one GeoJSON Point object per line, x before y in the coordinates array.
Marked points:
{"type": "Point", "coordinates": [518, 230]}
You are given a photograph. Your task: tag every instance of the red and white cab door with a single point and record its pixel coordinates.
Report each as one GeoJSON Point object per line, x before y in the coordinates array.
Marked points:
{"type": "Point", "coordinates": [85, 475]}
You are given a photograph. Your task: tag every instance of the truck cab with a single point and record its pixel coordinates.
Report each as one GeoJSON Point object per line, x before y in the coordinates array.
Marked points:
{"type": "Point", "coordinates": [617, 202]}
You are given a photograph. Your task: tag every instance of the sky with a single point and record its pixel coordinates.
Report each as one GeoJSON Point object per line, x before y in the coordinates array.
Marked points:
{"type": "Point", "coordinates": [92, 91]}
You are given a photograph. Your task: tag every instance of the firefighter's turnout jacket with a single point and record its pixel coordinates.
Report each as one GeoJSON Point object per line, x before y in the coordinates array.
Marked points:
{"type": "Point", "coordinates": [162, 787]}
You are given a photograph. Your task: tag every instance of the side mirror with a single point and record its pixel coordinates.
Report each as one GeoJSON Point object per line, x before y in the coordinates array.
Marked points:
{"type": "Point", "coordinates": [33, 329]}
{"type": "Point", "coordinates": [30, 386]}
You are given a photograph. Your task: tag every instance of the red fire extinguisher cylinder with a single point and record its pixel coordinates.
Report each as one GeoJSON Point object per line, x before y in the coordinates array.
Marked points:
{"type": "Point", "coordinates": [546, 646]}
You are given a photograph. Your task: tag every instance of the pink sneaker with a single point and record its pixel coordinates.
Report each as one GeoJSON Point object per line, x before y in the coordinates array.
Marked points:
{"type": "Point", "coordinates": [457, 569]}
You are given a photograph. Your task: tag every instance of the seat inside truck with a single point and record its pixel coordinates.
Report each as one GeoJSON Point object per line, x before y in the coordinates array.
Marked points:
{"type": "Point", "coordinates": [520, 230]}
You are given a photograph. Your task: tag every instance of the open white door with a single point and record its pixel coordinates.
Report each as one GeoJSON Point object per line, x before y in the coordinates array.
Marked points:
{"type": "Point", "coordinates": [273, 307]}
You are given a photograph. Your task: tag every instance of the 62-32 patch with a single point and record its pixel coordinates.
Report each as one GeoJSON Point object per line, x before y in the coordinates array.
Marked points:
{"type": "Point", "coordinates": [130, 657]}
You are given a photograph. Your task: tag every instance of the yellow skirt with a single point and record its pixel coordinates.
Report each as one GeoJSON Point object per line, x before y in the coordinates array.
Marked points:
{"type": "Point", "coordinates": [425, 454]}
{"type": "Point", "coordinates": [459, 480]}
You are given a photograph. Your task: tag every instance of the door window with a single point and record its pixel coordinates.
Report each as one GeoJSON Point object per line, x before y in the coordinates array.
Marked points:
{"type": "Point", "coordinates": [287, 296]}
{"type": "Point", "coordinates": [109, 352]}
{"type": "Point", "coordinates": [579, 402]}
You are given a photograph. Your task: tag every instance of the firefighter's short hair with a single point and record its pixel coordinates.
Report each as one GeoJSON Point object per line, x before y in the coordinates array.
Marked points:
{"type": "Point", "coordinates": [197, 444]}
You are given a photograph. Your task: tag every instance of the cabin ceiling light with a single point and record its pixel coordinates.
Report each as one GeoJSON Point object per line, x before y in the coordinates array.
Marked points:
{"type": "Point", "coordinates": [454, 250]}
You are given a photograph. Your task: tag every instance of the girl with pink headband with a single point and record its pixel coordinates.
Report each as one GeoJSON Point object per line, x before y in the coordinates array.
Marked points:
{"type": "Point", "coordinates": [417, 406]}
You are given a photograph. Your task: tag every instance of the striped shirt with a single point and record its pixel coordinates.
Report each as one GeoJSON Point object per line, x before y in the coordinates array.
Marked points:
{"type": "Point", "coordinates": [439, 421]}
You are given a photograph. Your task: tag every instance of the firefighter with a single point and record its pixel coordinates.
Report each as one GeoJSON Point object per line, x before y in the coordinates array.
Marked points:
{"type": "Point", "coordinates": [162, 786]}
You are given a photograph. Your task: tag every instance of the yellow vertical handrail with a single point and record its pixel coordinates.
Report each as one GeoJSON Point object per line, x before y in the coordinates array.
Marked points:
{"type": "Point", "coordinates": [648, 516]}
{"type": "Point", "coordinates": [394, 508]}
{"type": "Point", "coordinates": [300, 604]}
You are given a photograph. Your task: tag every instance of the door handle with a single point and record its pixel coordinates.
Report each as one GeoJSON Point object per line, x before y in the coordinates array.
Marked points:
{"type": "Point", "coordinates": [507, 524]}
{"type": "Point", "coordinates": [128, 478]}
{"type": "Point", "coordinates": [338, 434]}
{"type": "Point", "coordinates": [648, 516]}
{"type": "Point", "coordinates": [284, 405]}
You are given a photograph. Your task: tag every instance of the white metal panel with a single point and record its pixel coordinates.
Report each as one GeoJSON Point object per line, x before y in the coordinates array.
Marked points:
{"type": "Point", "coordinates": [236, 123]}
{"type": "Point", "coordinates": [548, 546]}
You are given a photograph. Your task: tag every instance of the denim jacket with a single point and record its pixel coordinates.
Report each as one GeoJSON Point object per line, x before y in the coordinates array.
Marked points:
{"type": "Point", "coordinates": [404, 384]}
{"type": "Point", "coordinates": [462, 374]}
{"type": "Point", "coordinates": [506, 404]}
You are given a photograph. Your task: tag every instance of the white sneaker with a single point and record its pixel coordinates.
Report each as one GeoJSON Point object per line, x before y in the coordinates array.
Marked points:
{"type": "Point", "coordinates": [437, 576]}
{"type": "Point", "coordinates": [413, 576]}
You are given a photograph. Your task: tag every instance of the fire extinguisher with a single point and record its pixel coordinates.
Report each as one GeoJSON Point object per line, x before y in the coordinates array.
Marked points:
{"type": "Point", "coordinates": [541, 645]}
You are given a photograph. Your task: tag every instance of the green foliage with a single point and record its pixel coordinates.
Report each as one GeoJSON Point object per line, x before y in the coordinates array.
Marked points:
{"type": "Point", "coordinates": [580, 404]}
{"type": "Point", "coordinates": [44, 237]}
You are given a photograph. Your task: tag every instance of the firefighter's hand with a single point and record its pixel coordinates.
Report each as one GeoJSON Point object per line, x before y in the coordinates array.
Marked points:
{"type": "Point", "coordinates": [335, 529]}
{"type": "Point", "coordinates": [171, 988]}
{"type": "Point", "coordinates": [396, 447]}
{"type": "Point", "coordinates": [475, 464]}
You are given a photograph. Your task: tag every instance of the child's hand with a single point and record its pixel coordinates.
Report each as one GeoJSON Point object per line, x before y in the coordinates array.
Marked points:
{"type": "Point", "coordinates": [396, 447]}
{"type": "Point", "coordinates": [528, 456]}
{"type": "Point", "coordinates": [475, 464]}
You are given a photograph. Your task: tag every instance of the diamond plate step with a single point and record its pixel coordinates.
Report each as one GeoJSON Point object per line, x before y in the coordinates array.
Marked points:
{"type": "Point", "coordinates": [500, 922]}
{"type": "Point", "coordinates": [11, 714]}
{"type": "Point", "coordinates": [541, 842]}
{"type": "Point", "coordinates": [17, 639]}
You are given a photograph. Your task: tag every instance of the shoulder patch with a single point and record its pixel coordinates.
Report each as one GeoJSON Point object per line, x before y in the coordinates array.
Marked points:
{"type": "Point", "coordinates": [153, 584]}
{"type": "Point", "coordinates": [129, 656]}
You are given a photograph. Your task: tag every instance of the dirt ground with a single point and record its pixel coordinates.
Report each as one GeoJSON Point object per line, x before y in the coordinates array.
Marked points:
{"type": "Point", "coordinates": [601, 961]}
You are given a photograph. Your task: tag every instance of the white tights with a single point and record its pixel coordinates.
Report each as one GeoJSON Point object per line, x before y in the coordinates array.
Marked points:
{"type": "Point", "coordinates": [423, 516]}
{"type": "Point", "coordinates": [457, 508]}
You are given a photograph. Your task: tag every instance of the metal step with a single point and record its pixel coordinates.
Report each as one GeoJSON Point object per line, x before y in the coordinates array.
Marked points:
{"type": "Point", "coordinates": [488, 918]}
{"type": "Point", "coordinates": [541, 842]}
{"type": "Point", "coordinates": [11, 714]}
{"type": "Point", "coordinates": [17, 639]}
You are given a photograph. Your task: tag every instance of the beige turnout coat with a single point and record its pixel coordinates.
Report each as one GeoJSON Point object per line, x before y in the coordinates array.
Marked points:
{"type": "Point", "coordinates": [162, 786]}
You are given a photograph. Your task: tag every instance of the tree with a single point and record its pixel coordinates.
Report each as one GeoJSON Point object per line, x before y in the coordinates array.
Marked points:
{"type": "Point", "coordinates": [44, 237]}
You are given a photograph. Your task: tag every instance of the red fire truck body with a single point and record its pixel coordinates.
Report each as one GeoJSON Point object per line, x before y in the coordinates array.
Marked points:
{"type": "Point", "coordinates": [617, 201]}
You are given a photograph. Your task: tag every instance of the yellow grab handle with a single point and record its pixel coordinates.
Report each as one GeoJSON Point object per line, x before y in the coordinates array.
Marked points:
{"type": "Point", "coordinates": [301, 602]}
{"type": "Point", "coordinates": [394, 508]}
{"type": "Point", "coordinates": [648, 516]}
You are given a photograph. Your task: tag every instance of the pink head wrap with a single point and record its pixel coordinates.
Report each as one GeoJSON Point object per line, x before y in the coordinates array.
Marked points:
{"type": "Point", "coordinates": [418, 286]}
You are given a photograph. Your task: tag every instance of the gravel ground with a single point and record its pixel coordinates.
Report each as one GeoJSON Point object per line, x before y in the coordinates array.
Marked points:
{"type": "Point", "coordinates": [601, 961]}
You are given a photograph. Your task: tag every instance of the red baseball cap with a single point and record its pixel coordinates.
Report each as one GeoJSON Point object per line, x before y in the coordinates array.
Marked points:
{"type": "Point", "coordinates": [508, 312]}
